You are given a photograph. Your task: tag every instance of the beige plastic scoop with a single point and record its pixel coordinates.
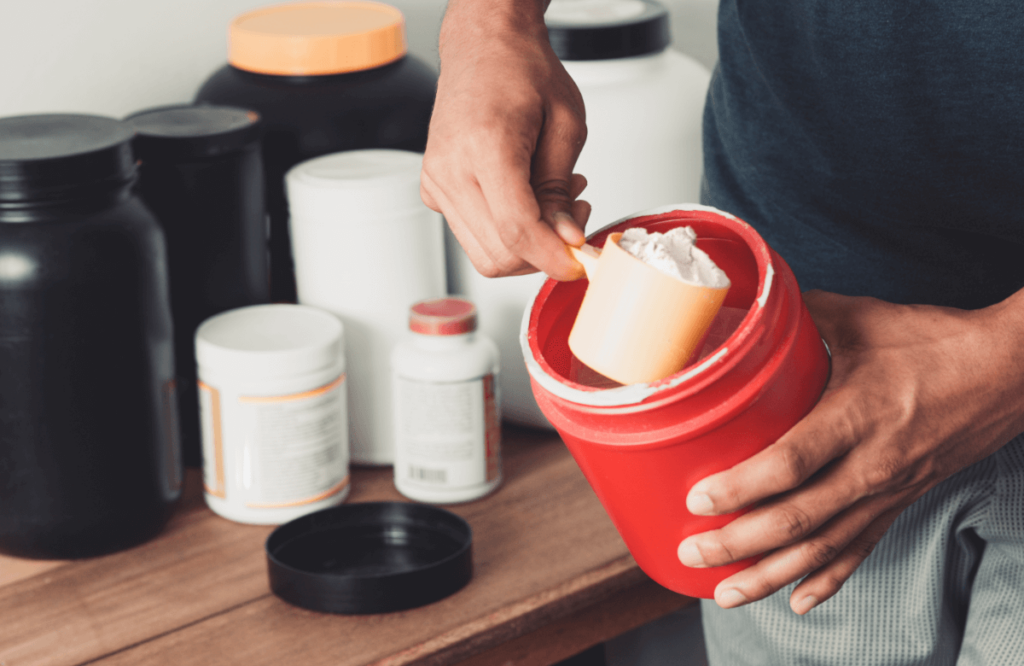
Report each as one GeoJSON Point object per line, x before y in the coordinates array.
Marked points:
{"type": "Point", "coordinates": [637, 324]}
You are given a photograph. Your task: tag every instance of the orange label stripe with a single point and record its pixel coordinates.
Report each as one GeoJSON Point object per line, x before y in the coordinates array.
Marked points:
{"type": "Point", "coordinates": [294, 396]}
{"type": "Point", "coordinates": [218, 443]}
{"type": "Point", "coordinates": [309, 500]}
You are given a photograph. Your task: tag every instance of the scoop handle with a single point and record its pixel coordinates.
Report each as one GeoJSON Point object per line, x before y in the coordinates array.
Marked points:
{"type": "Point", "coordinates": [588, 256]}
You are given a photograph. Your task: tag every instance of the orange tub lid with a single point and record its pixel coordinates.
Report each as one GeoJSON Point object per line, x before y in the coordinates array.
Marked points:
{"type": "Point", "coordinates": [316, 38]}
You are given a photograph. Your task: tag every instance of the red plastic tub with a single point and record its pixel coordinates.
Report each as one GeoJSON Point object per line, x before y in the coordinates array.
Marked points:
{"type": "Point", "coordinates": [643, 446]}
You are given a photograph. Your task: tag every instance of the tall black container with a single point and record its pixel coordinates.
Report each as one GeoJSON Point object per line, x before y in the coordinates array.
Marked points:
{"type": "Point", "coordinates": [325, 77]}
{"type": "Point", "coordinates": [201, 174]}
{"type": "Point", "coordinates": [89, 459]}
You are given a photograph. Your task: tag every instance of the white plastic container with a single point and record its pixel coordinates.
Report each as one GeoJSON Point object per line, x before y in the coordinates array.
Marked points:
{"type": "Point", "coordinates": [272, 412]}
{"type": "Point", "coordinates": [366, 248]}
{"type": "Point", "coordinates": [644, 104]}
{"type": "Point", "coordinates": [446, 411]}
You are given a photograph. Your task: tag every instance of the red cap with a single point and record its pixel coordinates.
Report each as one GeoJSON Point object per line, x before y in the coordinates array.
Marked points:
{"type": "Point", "coordinates": [443, 316]}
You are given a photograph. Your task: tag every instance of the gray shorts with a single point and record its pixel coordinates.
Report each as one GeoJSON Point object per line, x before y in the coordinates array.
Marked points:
{"type": "Point", "coordinates": [944, 586]}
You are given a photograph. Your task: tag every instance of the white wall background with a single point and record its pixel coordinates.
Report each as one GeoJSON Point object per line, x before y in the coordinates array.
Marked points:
{"type": "Point", "coordinates": [113, 57]}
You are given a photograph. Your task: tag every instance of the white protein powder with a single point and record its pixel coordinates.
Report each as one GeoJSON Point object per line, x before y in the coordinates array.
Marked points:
{"type": "Point", "coordinates": [674, 253]}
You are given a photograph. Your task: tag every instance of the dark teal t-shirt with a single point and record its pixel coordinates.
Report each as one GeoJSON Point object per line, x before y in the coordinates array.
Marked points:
{"type": "Point", "coordinates": [877, 145]}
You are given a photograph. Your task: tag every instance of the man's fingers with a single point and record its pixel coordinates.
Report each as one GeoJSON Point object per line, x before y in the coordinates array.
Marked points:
{"type": "Point", "coordinates": [824, 582]}
{"type": "Point", "coordinates": [580, 215]}
{"type": "Point", "coordinates": [788, 519]}
{"type": "Point", "coordinates": [828, 557]}
{"type": "Point", "coordinates": [518, 229]}
{"type": "Point", "coordinates": [554, 183]}
{"type": "Point", "coordinates": [428, 199]}
{"type": "Point", "coordinates": [570, 227]}
{"type": "Point", "coordinates": [577, 183]}
{"type": "Point", "coordinates": [819, 438]}
{"type": "Point", "coordinates": [487, 258]}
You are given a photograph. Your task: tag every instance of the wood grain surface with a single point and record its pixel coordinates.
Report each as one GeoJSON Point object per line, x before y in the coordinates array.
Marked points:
{"type": "Point", "coordinates": [549, 569]}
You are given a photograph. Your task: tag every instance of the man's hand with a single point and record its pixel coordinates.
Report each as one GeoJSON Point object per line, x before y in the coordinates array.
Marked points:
{"type": "Point", "coordinates": [917, 393]}
{"type": "Point", "coordinates": [507, 127]}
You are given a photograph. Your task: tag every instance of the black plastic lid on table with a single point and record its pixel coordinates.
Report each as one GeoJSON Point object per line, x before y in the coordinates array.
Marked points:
{"type": "Point", "coordinates": [375, 557]}
{"type": "Point", "coordinates": [61, 157]}
{"type": "Point", "coordinates": [193, 131]}
{"type": "Point", "coordinates": [607, 29]}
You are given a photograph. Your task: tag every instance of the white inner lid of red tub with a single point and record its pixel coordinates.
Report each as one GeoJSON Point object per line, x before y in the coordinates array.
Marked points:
{"type": "Point", "coordinates": [633, 393]}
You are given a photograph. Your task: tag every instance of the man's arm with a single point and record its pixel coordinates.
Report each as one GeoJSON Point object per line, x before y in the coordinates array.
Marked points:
{"type": "Point", "coordinates": [917, 393]}
{"type": "Point", "coordinates": [507, 127]}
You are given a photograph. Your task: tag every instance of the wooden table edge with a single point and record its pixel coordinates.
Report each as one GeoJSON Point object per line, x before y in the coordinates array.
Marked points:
{"type": "Point", "coordinates": [561, 603]}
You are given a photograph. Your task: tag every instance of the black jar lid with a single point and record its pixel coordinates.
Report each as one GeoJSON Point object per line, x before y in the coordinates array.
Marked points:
{"type": "Point", "coordinates": [192, 131]}
{"type": "Point", "coordinates": [607, 29]}
{"type": "Point", "coordinates": [374, 557]}
{"type": "Point", "coordinates": [58, 157]}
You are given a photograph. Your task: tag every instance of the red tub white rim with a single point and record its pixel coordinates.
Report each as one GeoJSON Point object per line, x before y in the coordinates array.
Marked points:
{"type": "Point", "coordinates": [636, 393]}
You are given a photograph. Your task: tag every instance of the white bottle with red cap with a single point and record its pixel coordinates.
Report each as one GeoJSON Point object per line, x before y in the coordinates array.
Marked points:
{"type": "Point", "coordinates": [447, 423]}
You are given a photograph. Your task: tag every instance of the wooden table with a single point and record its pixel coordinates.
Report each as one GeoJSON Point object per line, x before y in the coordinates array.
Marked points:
{"type": "Point", "coordinates": [551, 578]}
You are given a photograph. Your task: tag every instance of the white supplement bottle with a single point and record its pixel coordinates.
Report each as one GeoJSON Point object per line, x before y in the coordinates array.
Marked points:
{"type": "Point", "coordinates": [273, 412]}
{"type": "Point", "coordinates": [446, 413]}
{"type": "Point", "coordinates": [365, 247]}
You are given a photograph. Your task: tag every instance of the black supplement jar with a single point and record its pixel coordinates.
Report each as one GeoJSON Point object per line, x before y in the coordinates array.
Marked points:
{"type": "Point", "coordinates": [201, 174]}
{"type": "Point", "coordinates": [325, 77]}
{"type": "Point", "coordinates": [89, 459]}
